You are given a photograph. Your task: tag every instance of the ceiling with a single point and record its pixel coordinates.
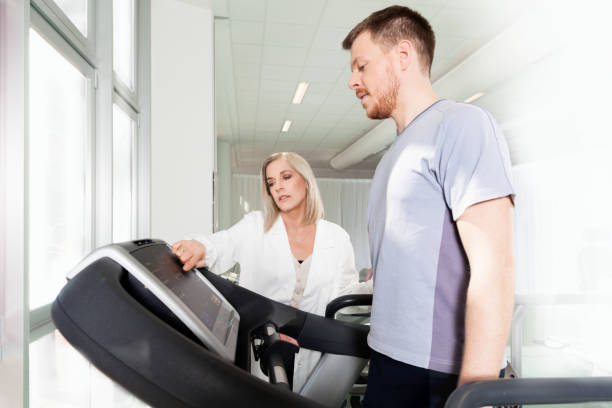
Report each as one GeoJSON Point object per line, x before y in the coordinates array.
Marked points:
{"type": "Point", "coordinates": [264, 48]}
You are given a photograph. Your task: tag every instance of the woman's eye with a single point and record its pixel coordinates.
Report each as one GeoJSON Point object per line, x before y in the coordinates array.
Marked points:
{"type": "Point", "coordinates": [287, 177]}
{"type": "Point", "coordinates": [270, 185]}
{"type": "Point", "coordinates": [361, 67]}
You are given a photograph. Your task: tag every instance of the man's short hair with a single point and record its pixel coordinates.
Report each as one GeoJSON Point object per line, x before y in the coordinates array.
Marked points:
{"type": "Point", "coordinates": [394, 24]}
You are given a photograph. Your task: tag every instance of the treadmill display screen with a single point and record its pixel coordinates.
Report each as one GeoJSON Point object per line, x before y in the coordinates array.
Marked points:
{"type": "Point", "coordinates": [191, 287]}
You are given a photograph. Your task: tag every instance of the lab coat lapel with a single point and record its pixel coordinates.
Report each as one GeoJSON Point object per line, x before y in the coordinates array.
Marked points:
{"type": "Point", "coordinates": [322, 261]}
{"type": "Point", "coordinates": [280, 240]}
{"type": "Point", "coordinates": [322, 254]}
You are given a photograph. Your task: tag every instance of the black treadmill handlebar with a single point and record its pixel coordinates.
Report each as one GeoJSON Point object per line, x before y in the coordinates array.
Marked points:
{"type": "Point", "coordinates": [347, 301]}
{"type": "Point", "coordinates": [311, 331]}
{"type": "Point", "coordinates": [531, 391]}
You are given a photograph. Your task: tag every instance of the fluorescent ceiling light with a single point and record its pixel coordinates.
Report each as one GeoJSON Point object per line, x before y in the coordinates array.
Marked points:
{"type": "Point", "coordinates": [474, 97]}
{"type": "Point", "coordinates": [299, 92]}
{"type": "Point", "coordinates": [286, 126]}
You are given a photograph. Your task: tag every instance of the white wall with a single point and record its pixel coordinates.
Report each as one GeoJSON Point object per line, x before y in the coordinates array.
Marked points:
{"type": "Point", "coordinates": [224, 185]}
{"type": "Point", "coordinates": [182, 118]}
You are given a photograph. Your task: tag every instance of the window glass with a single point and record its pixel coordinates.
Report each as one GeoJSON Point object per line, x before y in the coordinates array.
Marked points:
{"type": "Point", "coordinates": [76, 11]}
{"type": "Point", "coordinates": [124, 50]}
{"type": "Point", "coordinates": [57, 169]}
{"type": "Point", "coordinates": [124, 130]}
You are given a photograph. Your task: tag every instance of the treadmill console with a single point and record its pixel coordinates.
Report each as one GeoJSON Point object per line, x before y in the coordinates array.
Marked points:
{"type": "Point", "coordinates": [189, 295]}
{"type": "Point", "coordinates": [193, 289]}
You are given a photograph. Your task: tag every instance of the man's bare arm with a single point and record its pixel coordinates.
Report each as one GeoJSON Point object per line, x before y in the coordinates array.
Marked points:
{"type": "Point", "coordinates": [486, 234]}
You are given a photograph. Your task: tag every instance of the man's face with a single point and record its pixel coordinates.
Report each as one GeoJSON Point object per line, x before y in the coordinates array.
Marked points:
{"type": "Point", "coordinates": [373, 79]}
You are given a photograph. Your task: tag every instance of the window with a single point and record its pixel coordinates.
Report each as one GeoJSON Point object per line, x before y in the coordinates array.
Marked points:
{"type": "Point", "coordinates": [74, 19]}
{"type": "Point", "coordinates": [59, 163]}
{"type": "Point", "coordinates": [83, 126]}
{"type": "Point", "coordinates": [124, 50]}
{"type": "Point", "coordinates": [124, 170]}
{"type": "Point", "coordinates": [125, 119]}
{"type": "Point", "coordinates": [76, 11]}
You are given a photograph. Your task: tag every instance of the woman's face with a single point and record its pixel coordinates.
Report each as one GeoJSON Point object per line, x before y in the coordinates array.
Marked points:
{"type": "Point", "coordinates": [287, 187]}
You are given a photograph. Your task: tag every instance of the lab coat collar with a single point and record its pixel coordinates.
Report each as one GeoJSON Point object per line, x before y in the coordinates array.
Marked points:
{"type": "Point", "coordinates": [322, 236]}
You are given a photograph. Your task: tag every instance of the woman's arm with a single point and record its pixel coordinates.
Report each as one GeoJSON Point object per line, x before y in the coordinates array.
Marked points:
{"type": "Point", "coordinates": [218, 251]}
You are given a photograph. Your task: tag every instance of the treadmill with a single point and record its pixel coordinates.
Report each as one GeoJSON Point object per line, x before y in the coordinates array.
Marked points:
{"type": "Point", "coordinates": [186, 339]}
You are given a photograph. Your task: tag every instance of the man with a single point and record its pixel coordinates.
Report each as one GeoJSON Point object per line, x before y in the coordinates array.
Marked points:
{"type": "Point", "coordinates": [439, 220]}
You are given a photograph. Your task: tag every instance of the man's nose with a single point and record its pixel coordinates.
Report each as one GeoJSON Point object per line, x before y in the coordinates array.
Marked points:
{"type": "Point", "coordinates": [353, 80]}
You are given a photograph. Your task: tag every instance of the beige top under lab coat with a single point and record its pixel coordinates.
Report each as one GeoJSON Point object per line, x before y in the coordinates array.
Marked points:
{"type": "Point", "coordinates": [267, 267]}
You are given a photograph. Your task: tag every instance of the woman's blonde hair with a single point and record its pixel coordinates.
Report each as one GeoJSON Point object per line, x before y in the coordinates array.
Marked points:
{"type": "Point", "coordinates": [314, 205]}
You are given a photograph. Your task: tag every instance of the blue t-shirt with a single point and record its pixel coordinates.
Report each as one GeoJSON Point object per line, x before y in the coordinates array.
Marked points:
{"type": "Point", "coordinates": [451, 156]}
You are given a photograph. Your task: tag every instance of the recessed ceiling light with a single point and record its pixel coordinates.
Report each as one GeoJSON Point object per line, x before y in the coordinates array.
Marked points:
{"type": "Point", "coordinates": [299, 92]}
{"type": "Point", "coordinates": [286, 126]}
{"type": "Point", "coordinates": [474, 97]}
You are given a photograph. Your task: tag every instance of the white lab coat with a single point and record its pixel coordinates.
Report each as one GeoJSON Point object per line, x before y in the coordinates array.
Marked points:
{"type": "Point", "coordinates": [267, 267]}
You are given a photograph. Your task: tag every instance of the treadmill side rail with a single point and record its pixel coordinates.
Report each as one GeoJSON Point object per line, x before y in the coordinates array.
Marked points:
{"type": "Point", "coordinates": [524, 391]}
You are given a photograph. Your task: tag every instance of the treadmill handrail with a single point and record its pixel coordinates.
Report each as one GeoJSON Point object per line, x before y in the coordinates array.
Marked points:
{"type": "Point", "coordinates": [346, 301]}
{"type": "Point", "coordinates": [531, 391]}
{"type": "Point", "coordinates": [312, 331]}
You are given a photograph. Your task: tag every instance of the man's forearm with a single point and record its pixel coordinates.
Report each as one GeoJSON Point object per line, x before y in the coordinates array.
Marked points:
{"type": "Point", "coordinates": [489, 306]}
{"type": "Point", "coordinates": [486, 234]}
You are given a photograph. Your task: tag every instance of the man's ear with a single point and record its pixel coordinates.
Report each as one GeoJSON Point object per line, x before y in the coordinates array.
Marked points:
{"type": "Point", "coordinates": [406, 54]}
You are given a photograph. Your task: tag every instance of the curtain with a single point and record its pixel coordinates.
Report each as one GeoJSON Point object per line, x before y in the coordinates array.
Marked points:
{"type": "Point", "coordinates": [331, 194]}
{"type": "Point", "coordinates": [354, 218]}
{"type": "Point", "coordinates": [246, 195]}
{"type": "Point", "coordinates": [346, 204]}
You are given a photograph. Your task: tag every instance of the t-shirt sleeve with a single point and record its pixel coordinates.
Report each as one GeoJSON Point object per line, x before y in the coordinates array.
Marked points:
{"type": "Point", "coordinates": [474, 162]}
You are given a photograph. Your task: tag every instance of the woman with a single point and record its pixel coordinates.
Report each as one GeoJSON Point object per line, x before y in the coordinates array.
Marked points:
{"type": "Point", "coordinates": [287, 252]}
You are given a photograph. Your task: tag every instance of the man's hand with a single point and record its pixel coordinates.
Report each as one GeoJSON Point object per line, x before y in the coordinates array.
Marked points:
{"type": "Point", "coordinates": [191, 253]}
{"type": "Point", "coordinates": [486, 234]}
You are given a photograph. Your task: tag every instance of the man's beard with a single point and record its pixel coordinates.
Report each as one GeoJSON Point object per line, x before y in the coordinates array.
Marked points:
{"type": "Point", "coordinates": [387, 99]}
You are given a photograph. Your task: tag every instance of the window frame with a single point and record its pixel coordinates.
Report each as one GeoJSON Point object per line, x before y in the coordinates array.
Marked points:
{"type": "Point", "coordinates": [134, 163]}
{"type": "Point", "coordinates": [62, 24]}
{"type": "Point", "coordinates": [131, 96]}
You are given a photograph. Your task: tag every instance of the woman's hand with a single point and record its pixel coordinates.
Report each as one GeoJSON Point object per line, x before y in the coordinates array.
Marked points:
{"type": "Point", "coordinates": [192, 253]}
